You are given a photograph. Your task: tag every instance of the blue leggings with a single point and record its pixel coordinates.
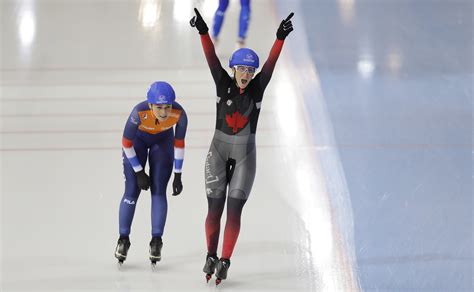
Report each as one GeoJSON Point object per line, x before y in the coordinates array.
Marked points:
{"type": "Point", "coordinates": [243, 21]}
{"type": "Point", "coordinates": [160, 159]}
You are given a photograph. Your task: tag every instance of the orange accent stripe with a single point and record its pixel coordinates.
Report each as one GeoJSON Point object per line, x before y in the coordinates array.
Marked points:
{"type": "Point", "coordinates": [179, 143]}
{"type": "Point", "coordinates": [126, 142]}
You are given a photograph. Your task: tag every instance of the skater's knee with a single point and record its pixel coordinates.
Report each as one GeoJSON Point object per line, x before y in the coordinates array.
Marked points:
{"type": "Point", "coordinates": [238, 194]}
{"type": "Point", "coordinates": [159, 198]}
{"type": "Point", "coordinates": [158, 191]}
{"type": "Point", "coordinates": [131, 189]}
{"type": "Point", "coordinates": [215, 193]}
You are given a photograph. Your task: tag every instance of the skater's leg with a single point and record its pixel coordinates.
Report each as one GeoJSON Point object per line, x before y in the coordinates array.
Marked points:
{"type": "Point", "coordinates": [213, 223]}
{"type": "Point", "coordinates": [240, 186]}
{"type": "Point", "coordinates": [219, 17]}
{"type": "Point", "coordinates": [215, 177]}
{"type": "Point", "coordinates": [244, 18]}
{"type": "Point", "coordinates": [161, 166]}
{"type": "Point", "coordinates": [232, 226]}
{"type": "Point", "coordinates": [132, 191]}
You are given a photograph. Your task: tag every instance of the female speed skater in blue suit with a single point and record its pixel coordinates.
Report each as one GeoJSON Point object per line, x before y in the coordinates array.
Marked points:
{"type": "Point", "coordinates": [149, 134]}
{"type": "Point", "coordinates": [243, 20]}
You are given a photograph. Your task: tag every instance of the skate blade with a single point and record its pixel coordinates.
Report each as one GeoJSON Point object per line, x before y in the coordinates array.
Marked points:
{"type": "Point", "coordinates": [153, 266]}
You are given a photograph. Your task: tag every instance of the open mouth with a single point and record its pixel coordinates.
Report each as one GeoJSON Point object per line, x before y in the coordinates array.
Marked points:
{"type": "Point", "coordinates": [244, 81]}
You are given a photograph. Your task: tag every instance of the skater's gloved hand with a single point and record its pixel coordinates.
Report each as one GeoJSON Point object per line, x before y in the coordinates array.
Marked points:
{"type": "Point", "coordinates": [177, 184]}
{"type": "Point", "coordinates": [199, 23]}
{"type": "Point", "coordinates": [285, 27]}
{"type": "Point", "coordinates": [143, 180]}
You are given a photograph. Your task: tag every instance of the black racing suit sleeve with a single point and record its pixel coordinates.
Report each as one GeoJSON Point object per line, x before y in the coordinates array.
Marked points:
{"type": "Point", "coordinates": [269, 66]}
{"type": "Point", "coordinates": [214, 64]}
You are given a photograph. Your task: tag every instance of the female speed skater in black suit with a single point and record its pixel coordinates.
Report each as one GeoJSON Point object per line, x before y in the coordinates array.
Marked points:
{"type": "Point", "coordinates": [231, 160]}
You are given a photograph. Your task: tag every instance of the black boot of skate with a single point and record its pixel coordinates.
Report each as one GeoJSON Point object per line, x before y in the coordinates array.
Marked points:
{"type": "Point", "coordinates": [121, 251]}
{"type": "Point", "coordinates": [221, 270]}
{"type": "Point", "coordinates": [210, 266]}
{"type": "Point", "coordinates": [155, 249]}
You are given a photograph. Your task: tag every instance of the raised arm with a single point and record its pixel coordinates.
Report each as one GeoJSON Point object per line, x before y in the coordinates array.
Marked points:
{"type": "Point", "coordinates": [207, 45]}
{"type": "Point", "coordinates": [211, 57]}
{"type": "Point", "coordinates": [283, 31]}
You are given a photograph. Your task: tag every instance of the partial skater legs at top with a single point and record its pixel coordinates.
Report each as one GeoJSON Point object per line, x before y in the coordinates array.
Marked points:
{"type": "Point", "coordinates": [244, 19]}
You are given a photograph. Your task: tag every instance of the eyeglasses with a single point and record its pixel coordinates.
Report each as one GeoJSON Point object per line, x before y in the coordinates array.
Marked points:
{"type": "Point", "coordinates": [243, 69]}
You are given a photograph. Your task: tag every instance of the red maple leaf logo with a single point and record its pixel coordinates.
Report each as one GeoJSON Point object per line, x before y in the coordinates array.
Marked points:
{"type": "Point", "coordinates": [236, 121]}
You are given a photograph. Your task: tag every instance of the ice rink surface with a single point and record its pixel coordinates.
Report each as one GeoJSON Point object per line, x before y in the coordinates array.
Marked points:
{"type": "Point", "coordinates": [364, 145]}
{"type": "Point", "coordinates": [397, 77]}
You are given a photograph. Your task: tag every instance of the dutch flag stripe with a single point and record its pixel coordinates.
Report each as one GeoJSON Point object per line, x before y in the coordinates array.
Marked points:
{"type": "Point", "coordinates": [132, 158]}
{"type": "Point", "coordinates": [179, 143]}
{"type": "Point", "coordinates": [178, 153]}
{"type": "Point", "coordinates": [178, 165]}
